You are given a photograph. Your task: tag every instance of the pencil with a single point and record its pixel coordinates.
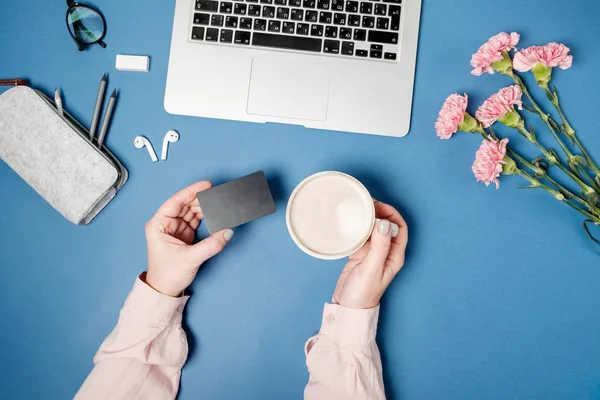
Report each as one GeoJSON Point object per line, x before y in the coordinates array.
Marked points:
{"type": "Point", "coordinates": [58, 102]}
{"type": "Point", "coordinates": [106, 120]}
{"type": "Point", "coordinates": [97, 107]}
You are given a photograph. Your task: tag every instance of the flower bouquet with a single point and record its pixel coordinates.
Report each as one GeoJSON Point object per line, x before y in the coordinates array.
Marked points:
{"type": "Point", "coordinates": [495, 157]}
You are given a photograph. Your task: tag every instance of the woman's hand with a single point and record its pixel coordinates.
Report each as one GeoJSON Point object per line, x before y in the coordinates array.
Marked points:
{"type": "Point", "coordinates": [173, 259]}
{"type": "Point", "coordinates": [372, 268]}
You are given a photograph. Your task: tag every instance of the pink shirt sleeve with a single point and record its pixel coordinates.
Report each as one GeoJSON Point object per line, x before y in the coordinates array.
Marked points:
{"type": "Point", "coordinates": [343, 359]}
{"type": "Point", "coordinates": [143, 356]}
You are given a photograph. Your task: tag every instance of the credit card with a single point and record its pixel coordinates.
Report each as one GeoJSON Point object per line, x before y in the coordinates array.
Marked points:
{"type": "Point", "coordinates": [236, 202]}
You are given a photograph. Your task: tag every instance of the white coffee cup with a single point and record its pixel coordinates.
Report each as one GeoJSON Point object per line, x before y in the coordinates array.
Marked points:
{"type": "Point", "coordinates": [330, 215]}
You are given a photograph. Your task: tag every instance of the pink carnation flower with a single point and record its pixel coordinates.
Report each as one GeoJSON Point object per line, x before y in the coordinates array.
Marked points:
{"type": "Point", "coordinates": [551, 55]}
{"type": "Point", "coordinates": [451, 115]}
{"type": "Point", "coordinates": [499, 104]}
{"type": "Point", "coordinates": [489, 160]}
{"type": "Point", "coordinates": [491, 52]}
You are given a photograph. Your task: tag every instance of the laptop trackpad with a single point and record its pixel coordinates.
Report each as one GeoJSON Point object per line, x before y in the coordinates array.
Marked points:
{"type": "Point", "coordinates": [288, 89]}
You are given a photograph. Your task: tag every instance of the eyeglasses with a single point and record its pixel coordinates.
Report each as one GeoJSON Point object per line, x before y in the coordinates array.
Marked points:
{"type": "Point", "coordinates": [86, 25]}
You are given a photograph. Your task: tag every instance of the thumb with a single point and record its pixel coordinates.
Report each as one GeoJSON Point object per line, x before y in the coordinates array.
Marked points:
{"type": "Point", "coordinates": [381, 240]}
{"type": "Point", "coordinates": [211, 246]}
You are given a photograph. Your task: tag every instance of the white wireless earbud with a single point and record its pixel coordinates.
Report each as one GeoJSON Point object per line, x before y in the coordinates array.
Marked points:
{"type": "Point", "coordinates": [140, 142]}
{"type": "Point", "coordinates": [170, 137]}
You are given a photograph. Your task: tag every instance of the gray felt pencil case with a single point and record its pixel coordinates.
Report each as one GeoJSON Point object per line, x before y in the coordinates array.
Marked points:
{"type": "Point", "coordinates": [54, 155]}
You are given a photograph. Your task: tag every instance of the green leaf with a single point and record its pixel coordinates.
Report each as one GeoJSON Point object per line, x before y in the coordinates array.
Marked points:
{"type": "Point", "coordinates": [587, 231]}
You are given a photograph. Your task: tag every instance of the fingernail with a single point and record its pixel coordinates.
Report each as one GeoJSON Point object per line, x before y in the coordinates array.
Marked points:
{"type": "Point", "coordinates": [395, 230]}
{"type": "Point", "coordinates": [228, 235]}
{"type": "Point", "coordinates": [384, 227]}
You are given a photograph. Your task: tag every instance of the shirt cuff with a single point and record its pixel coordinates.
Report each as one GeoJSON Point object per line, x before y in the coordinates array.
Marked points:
{"type": "Point", "coordinates": [348, 325]}
{"type": "Point", "coordinates": [153, 307]}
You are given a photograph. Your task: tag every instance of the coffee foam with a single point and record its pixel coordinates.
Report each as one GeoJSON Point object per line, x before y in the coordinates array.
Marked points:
{"type": "Point", "coordinates": [331, 214]}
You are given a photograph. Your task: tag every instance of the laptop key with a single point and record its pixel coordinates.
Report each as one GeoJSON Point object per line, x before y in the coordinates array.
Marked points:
{"type": "Point", "coordinates": [368, 22]}
{"type": "Point", "coordinates": [383, 37]}
{"type": "Point", "coordinates": [376, 47]}
{"type": "Point", "coordinates": [325, 17]}
{"type": "Point", "coordinates": [246, 23]}
{"type": "Point", "coordinates": [268, 12]}
{"type": "Point", "coordinates": [361, 53]}
{"type": "Point", "coordinates": [308, 3]}
{"type": "Point", "coordinates": [286, 42]}
{"type": "Point", "coordinates": [394, 12]}
{"type": "Point", "coordinates": [331, 46]}
{"type": "Point", "coordinates": [225, 8]}
{"type": "Point", "coordinates": [331, 32]}
{"type": "Point", "coordinates": [302, 29]}
{"type": "Point", "coordinates": [337, 5]}
{"type": "Point", "coordinates": [311, 16]}
{"type": "Point", "coordinates": [240, 8]}
{"type": "Point", "coordinates": [207, 5]}
{"type": "Point", "coordinates": [283, 12]}
{"type": "Point", "coordinates": [360, 34]}
{"type": "Point", "coordinates": [352, 6]}
{"type": "Point", "coordinates": [212, 35]}
{"type": "Point", "coordinates": [296, 14]}
{"type": "Point", "coordinates": [316, 30]}
{"type": "Point", "coordinates": [266, 1]}
{"type": "Point", "coordinates": [260, 24]}
{"type": "Point", "coordinates": [323, 4]}
{"type": "Point", "coordinates": [254, 10]}
{"type": "Point", "coordinates": [231, 22]}
{"type": "Point", "coordinates": [348, 48]}
{"type": "Point", "coordinates": [383, 23]}
{"type": "Point", "coordinates": [354, 20]}
{"type": "Point", "coordinates": [198, 33]}
{"type": "Point", "coordinates": [389, 56]}
{"type": "Point", "coordinates": [288, 27]}
{"type": "Point", "coordinates": [375, 53]}
{"type": "Point", "coordinates": [366, 8]}
{"type": "Point", "coordinates": [393, 1]}
{"type": "Point", "coordinates": [216, 20]}
{"type": "Point", "coordinates": [281, 2]}
{"type": "Point", "coordinates": [242, 37]}
{"type": "Point", "coordinates": [380, 9]}
{"type": "Point", "coordinates": [346, 33]}
{"type": "Point", "coordinates": [274, 26]}
{"type": "Point", "coordinates": [201, 19]}
{"type": "Point", "coordinates": [295, 3]}
{"type": "Point", "coordinates": [339, 19]}
{"type": "Point", "coordinates": [226, 36]}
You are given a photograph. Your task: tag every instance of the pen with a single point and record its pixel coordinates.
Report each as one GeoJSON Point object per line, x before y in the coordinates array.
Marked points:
{"type": "Point", "coordinates": [58, 102]}
{"type": "Point", "coordinates": [96, 115]}
{"type": "Point", "coordinates": [106, 120]}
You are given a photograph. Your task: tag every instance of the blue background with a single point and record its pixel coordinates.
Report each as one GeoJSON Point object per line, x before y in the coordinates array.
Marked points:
{"type": "Point", "coordinates": [499, 296]}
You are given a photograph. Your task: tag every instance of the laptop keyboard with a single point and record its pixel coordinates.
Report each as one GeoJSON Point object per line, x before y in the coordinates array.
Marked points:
{"type": "Point", "coordinates": [368, 28]}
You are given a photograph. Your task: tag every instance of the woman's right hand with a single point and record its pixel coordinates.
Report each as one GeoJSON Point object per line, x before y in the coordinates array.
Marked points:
{"type": "Point", "coordinates": [372, 268]}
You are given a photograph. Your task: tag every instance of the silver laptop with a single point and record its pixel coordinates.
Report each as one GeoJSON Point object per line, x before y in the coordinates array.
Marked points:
{"type": "Point", "coordinates": [344, 65]}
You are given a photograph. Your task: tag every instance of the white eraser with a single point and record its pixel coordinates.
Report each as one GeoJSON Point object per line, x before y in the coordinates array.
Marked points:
{"type": "Point", "coordinates": [132, 63]}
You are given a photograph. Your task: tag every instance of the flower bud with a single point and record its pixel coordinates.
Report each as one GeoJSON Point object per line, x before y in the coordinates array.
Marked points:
{"type": "Point", "coordinates": [505, 65]}
{"type": "Point", "coordinates": [542, 74]}
{"type": "Point", "coordinates": [512, 119]}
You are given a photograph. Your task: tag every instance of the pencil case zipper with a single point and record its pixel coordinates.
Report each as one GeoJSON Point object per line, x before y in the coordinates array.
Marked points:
{"type": "Point", "coordinates": [13, 82]}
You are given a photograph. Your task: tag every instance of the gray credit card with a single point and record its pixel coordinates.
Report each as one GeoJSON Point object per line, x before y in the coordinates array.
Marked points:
{"type": "Point", "coordinates": [236, 202]}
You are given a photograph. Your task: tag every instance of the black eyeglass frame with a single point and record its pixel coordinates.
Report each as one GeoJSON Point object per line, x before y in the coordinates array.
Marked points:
{"type": "Point", "coordinates": [82, 45]}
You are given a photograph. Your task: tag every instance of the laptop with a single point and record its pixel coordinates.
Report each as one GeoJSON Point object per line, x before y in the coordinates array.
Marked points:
{"type": "Point", "coordinates": [344, 65]}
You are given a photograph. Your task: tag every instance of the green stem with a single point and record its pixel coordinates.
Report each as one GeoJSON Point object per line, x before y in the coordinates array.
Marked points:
{"type": "Point", "coordinates": [552, 159]}
{"type": "Point", "coordinates": [547, 120]}
{"type": "Point", "coordinates": [570, 132]}
{"type": "Point", "coordinates": [542, 174]}
{"type": "Point", "coordinates": [536, 183]}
